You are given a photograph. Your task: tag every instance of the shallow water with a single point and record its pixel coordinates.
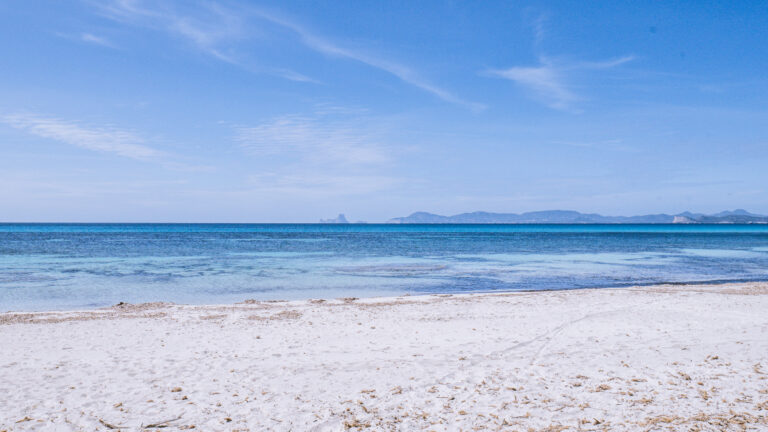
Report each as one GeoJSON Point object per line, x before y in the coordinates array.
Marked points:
{"type": "Point", "coordinates": [59, 266]}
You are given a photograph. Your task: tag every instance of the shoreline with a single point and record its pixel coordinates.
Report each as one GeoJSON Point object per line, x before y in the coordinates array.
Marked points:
{"type": "Point", "coordinates": [717, 282]}
{"type": "Point", "coordinates": [633, 358]}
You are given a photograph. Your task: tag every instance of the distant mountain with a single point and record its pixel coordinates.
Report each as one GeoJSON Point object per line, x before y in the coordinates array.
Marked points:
{"type": "Point", "coordinates": [574, 217]}
{"type": "Point", "coordinates": [737, 212]}
{"type": "Point", "coordinates": [340, 219]}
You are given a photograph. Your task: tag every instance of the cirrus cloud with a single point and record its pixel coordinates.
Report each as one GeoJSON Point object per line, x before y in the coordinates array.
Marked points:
{"type": "Point", "coordinates": [100, 139]}
{"type": "Point", "coordinates": [548, 81]}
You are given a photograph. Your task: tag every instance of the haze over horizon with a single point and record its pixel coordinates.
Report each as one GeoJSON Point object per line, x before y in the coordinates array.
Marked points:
{"type": "Point", "coordinates": [292, 111]}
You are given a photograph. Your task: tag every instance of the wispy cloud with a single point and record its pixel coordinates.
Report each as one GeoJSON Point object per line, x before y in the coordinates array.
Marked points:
{"type": "Point", "coordinates": [207, 33]}
{"type": "Point", "coordinates": [86, 37]}
{"type": "Point", "coordinates": [97, 40]}
{"type": "Point", "coordinates": [321, 137]}
{"type": "Point", "coordinates": [548, 81]}
{"type": "Point", "coordinates": [538, 24]}
{"type": "Point", "coordinates": [404, 73]}
{"type": "Point", "coordinates": [100, 139]}
{"type": "Point", "coordinates": [330, 151]}
{"type": "Point", "coordinates": [291, 75]}
{"type": "Point", "coordinates": [602, 64]}
{"type": "Point", "coordinates": [216, 27]}
{"type": "Point", "coordinates": [545, 81]}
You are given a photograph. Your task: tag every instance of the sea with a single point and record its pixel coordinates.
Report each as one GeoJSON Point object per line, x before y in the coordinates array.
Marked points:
{"type": "Point", "coordinates": [82, 266]}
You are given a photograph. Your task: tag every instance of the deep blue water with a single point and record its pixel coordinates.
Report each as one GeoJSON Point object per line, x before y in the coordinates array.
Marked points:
{"type": "Point", "coordinates": [60, 266]}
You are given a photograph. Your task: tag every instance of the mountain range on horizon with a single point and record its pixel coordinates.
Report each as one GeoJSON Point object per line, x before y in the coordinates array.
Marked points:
{"type": "Point", "coordinates": [738, 216]}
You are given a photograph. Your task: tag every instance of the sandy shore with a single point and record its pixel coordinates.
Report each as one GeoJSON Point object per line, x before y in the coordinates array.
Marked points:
{"type": "Point", "coordinates": [651, 358]}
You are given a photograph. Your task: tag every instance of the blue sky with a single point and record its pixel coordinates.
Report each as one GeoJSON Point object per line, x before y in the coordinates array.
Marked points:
{"type": "Point", "coordinates": [291, 111]}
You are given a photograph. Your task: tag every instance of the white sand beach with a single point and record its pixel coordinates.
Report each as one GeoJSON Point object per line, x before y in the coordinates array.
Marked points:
{"type": "Point", "coordinates": [646, 358]}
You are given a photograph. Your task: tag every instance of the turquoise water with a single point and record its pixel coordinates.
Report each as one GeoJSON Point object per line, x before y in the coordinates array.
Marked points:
{"type": "Point", "coordinates": [61, 266]}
